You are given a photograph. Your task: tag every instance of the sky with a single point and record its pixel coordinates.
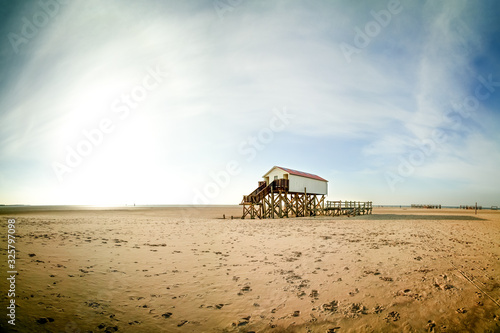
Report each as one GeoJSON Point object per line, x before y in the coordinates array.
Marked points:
{"type": "Point", "coordinates": [192, 102]}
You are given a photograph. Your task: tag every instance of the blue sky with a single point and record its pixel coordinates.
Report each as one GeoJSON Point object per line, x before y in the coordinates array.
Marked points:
{"type": "Point", "coordinates": [167, 102]}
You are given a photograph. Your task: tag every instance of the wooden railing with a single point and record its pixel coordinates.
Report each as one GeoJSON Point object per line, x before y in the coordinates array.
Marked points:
{"type": "Point", "coordinates": [262, 190]}
{"type": "Point", "coordinates": [349, 207]}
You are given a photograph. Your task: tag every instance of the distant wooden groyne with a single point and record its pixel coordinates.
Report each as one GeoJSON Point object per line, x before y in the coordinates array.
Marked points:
{"type": "Point", "coordinates": [426, 206]}
{"type": "Point", "coordinates": [471, 207]}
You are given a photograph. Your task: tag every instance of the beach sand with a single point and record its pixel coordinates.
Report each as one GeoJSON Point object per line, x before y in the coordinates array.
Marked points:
{"type": "Point", "coordinates": [189, 270]}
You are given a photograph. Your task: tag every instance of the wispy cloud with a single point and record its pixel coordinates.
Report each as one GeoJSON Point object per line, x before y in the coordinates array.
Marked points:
{"type": "Point", "coordinates": [225, 77]}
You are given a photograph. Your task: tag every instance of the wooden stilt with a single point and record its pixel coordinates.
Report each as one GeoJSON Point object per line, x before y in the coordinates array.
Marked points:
{"type": "Point", "coordinates": [305, 201]}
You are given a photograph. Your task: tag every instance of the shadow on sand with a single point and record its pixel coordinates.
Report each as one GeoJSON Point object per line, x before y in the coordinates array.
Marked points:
{"type": "Point", "coordinates": [418, 217]}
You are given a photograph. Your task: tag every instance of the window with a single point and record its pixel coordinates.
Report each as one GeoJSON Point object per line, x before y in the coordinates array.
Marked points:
{"type": "Point", "coordinates": [275, 177]}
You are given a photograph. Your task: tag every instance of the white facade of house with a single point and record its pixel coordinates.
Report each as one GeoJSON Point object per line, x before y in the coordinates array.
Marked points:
{"type": "Point", "coordinates": [298, 183]}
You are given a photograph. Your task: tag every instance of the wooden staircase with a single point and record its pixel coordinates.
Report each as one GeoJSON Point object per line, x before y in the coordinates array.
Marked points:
{"type": "Point", "coordinates": [262, 191]}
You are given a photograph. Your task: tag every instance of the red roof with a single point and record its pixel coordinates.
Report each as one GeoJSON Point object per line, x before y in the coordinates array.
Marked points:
{"type": "Point", "coordinates": [300, 173]}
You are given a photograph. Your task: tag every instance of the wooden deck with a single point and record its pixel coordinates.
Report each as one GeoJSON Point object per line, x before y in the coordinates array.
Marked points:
{"type": "Point", "coordinates": [349, 208]}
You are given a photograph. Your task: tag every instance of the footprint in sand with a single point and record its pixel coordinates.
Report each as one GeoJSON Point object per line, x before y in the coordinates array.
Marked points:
{"type": "Point", "coordinates": [392, 316]}
{"type": "Point", "coordinates": [431, 325]}
{"type": "Point", "coordinates": [386, 278]}
{"type": "Point", "coordinates": [333, 330]}
{"type": "Point", "coordinates": [352, 293]}
{"type": "Point", "coordinates": [44, 320]}
{"type": "Point", "coordinates": [182, 323]}
{"type": "Point", "coordinates": [354, 310]}
{"type": "Point", "coordinates": [107, 328]}
{"type": "Point", "coordinates": [331, 307]}
{"type": "Point", "coordinates": [244, 290]}
{"type": "Point", "coordinates": [242, 321]}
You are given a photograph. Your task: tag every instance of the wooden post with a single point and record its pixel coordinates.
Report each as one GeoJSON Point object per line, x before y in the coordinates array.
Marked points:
{"type": "Point", "coordinates": [272, 203]}
{"type": "Point", "coordinates": [305, 201]}
{"type": "Point", "coordinates": [281, 204]}
{"type": "Point", "coordinates": [285, 204]}
{"type": "Point", "coordinates": [262, 209]}
{"type": "Point", "coordinates": [296, 205]}
{"type": "Point", "coordinates": [476, 209]}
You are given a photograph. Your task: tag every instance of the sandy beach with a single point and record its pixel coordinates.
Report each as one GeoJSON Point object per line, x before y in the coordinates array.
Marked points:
{"type": "Point", "coordinates": [189, 270]}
